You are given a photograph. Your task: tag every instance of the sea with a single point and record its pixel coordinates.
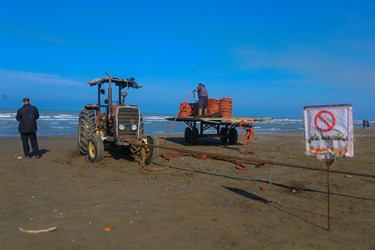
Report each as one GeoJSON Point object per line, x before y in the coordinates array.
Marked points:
{"type": "Point", "coordinates": [64, 123]}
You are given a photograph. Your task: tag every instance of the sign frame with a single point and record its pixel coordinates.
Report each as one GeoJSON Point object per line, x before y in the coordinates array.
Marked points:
{"type": "Point", "coordinates": [328, 130]}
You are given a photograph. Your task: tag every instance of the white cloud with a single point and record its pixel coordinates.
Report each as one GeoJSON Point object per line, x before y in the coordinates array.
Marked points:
{"type": "Point", "coordinates": [315, 66]}
{"type": "Point", "coordinates": [30, 77]}
{"type": "Point", "coordinates": [48, 38]}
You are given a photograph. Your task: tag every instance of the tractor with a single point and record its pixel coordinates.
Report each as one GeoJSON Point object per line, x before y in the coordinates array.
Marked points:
{"type": "Point", "coordinates": [110, 124]}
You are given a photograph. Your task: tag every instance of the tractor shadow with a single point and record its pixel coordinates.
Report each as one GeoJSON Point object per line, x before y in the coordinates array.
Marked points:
{"type": "Point", "coordinates": [120, 153]}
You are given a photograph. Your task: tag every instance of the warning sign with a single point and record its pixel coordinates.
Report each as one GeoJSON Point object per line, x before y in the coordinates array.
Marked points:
{"type": "Point", "coordinates": [329, 130]}
{"type": "Point", "coordinates": [324, 121]}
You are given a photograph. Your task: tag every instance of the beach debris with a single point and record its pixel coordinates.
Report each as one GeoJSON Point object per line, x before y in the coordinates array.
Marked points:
{"type": "Point", "coordinates": [19, 156]}
{"type": "Point", "coordinates": [264, 188]}
{"type": "Point", "coordinates": [297, 186]}
{"type": "Point", "coordinates": [348, 176]}
{"type": "Point", "coordinates": [38, 231]}
{"type": "Point", "coordinates": [107, 229]}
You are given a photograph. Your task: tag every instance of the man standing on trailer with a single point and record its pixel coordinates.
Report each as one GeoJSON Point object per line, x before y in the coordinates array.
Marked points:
{"type": "Point", "coordinates": [27, 116]}
{"type": "Point", "coordinates": [203, 98]}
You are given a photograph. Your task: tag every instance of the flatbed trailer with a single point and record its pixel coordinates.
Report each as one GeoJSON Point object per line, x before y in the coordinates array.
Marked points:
{"type": "Point", "coordinates": [225, 127]}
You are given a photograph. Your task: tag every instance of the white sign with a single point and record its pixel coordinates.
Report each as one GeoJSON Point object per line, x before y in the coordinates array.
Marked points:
{"type": "Point", "coordinates": [329, 130]}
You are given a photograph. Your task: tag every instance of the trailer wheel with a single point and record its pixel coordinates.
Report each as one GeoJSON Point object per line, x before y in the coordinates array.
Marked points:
{"type": "Point", "coordinates": [86, 127]}
{"type": "Point", "coordinates": [188, 135]}
{"type": "Point", "coordinates": [195, 136]}
{"type": "Point", "coordinates": [224, 135]}
{"type": "Point", "coordinates": [151, 152]}
{"type": "Point", "coordinates": [233, 136]}
{"type": "Point", "coordinates": [95, 149]}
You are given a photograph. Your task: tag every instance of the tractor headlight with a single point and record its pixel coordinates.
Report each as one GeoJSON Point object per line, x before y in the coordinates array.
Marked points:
{"type": "Point", "coordinates": [134, 127]}
{"type": "Point", "coordinates": [121, 127]}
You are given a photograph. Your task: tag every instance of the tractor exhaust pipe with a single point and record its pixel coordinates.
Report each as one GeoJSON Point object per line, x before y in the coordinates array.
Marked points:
{"type": "Point", "coordinates": [109, 104]}
{"type": "Point", "coordinates": [109, 89]}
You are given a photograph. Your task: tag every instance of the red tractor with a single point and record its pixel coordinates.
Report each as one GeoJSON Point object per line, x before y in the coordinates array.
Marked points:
{"type": "Point", "coordinates": [119, 125]}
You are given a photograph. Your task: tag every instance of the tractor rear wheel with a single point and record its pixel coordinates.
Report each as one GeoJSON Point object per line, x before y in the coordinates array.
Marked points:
{"type": "Point", "coordinates": [96, 148]}
{"type": "Point", "coordinates": [86, 127]}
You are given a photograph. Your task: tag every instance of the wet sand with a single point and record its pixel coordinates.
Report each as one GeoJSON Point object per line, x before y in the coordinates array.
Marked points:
{"type": "Point", "coordinates": [195, 204]}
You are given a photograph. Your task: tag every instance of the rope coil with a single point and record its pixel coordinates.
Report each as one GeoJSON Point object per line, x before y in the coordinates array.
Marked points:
{"type": "Point", "coordinates": [226, 107]}
{"type": "Point", "coordinates": [185, 110]}
{"type": "Point", "coordinates": [213, 107]}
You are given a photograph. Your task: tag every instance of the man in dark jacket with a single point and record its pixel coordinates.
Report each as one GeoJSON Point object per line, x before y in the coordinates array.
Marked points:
{"type": "Point", "coordinates": [27, 116]}
{"type": "Point", "coordinates": [203, 98]}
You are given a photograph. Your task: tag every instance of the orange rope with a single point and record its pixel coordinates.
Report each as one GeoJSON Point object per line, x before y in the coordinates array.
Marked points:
{"type": "Point", "coordinates": [226, 107]}
{"type": "Point", "coordinates": [246, 138]}
{"type": "Point", "coordinates": [185, 110]}
{"type": "Point", "coordinates": [240, 165]}
{"type": "Point", "coordinates": [213, 107]}
{"type": "Point", "coordinates": [174, 121]}
{"type": "Point", "coordinates": [142, 162]}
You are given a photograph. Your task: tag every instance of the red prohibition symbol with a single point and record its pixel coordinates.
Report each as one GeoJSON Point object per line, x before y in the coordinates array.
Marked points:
{"type": "Point", "coordinates": [327, 121]}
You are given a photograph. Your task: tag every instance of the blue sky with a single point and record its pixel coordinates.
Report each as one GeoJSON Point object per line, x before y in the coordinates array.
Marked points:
{"type": "Point", "coordinates": [271, 57]}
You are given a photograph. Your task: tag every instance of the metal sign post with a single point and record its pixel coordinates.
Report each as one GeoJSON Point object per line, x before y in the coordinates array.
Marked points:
{"type": "Point", "coordinates": [328, 136]}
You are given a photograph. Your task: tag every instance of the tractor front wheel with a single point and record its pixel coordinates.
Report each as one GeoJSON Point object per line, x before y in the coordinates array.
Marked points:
{"type": "Point", "coordinates": [95, 148]}
{"type": "Point", "coordinates": [150, 152]}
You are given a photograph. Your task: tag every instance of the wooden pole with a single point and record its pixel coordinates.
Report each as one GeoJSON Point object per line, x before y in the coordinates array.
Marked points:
{"type": "Point", "coordinates": [329, 162]}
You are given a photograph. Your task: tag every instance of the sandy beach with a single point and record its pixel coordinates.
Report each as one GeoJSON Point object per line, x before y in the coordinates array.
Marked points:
{"type": "Point", "coordinates": [195, 204]}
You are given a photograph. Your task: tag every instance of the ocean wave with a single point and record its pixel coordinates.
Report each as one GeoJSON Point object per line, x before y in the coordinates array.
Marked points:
{"type": "Point", "coordinates": [284, 120]}
{"type": "Point", "coordinates": [271, 129]}
{"type": "Point", "coordinates": [59, 119]}
{"type": "Point", "coordinates": [7, 115]}
{"type": "Point", "coordinates": [7, 127]}
{"type": "Point", "coordinates": [44, 116]}
{"type": "Point", "coordinates": [155, 119]}
{"type": "Point", "coordinates": [57, 127]}
{"type": "Point", "coordinates": [66, 116]}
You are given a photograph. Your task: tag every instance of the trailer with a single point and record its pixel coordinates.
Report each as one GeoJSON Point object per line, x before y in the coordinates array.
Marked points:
{"type": "Point", "coordinates": [225, 127]}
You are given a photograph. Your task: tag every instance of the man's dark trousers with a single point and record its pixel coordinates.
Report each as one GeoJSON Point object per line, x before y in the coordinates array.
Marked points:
{"type": "Point", "coordinates": [34, 144]}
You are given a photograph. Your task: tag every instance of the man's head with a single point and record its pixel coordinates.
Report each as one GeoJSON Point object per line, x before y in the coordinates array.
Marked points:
{"type": "Point", "coordinates": [201, 84]}
{"type": "Point", "coordinates": [26, 100]}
